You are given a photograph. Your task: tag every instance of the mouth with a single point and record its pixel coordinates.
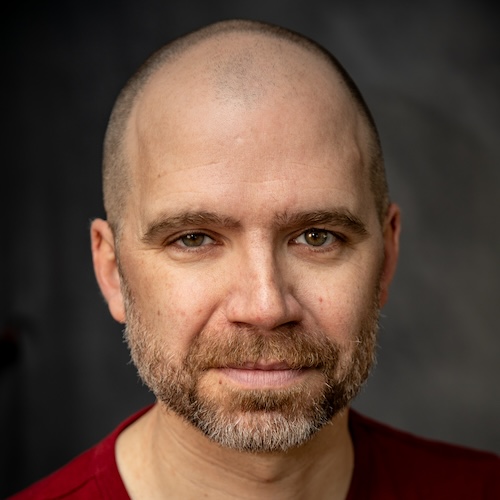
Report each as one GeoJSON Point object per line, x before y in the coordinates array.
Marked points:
{"type": "Point", "coordinates": [261, 365]}
{"type": "Point", "coordinates": [262, 374]}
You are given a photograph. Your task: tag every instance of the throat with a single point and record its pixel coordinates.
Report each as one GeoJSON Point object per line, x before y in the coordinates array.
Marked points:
{"type": "Point", "coordinates": [162, 453]}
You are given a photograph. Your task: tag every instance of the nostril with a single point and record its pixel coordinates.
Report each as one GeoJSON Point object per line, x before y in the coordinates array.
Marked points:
{"type": "Point", "coordinates": [290, 324]}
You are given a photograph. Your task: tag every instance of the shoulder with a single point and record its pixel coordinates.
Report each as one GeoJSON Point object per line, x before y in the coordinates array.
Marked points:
{"type": "Point", "coordinates": [399, 444]}
{"type": "Point", "coordinates": [403, 460]}
{"type": "Point", "coordinates": [93, 474]}
{"type": "Point", "coordinates": [74, 480]}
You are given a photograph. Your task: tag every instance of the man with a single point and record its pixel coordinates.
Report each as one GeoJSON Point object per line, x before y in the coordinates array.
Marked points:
{"type": "Point", "coordinates": [249, 245]}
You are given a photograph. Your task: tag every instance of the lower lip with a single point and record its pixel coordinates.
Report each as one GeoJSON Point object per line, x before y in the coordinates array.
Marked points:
{"type": "Point", "coordinates": [262, 378]}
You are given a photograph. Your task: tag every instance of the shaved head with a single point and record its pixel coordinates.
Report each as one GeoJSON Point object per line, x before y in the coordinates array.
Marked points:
{"type": "Point", "coordinates": [251, 241]}
{"type": "Point", "coordinates": [233, 63]}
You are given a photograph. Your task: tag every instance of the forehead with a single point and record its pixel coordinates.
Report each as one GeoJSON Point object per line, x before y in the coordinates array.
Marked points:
{"type": "Point", "coordinates": [236, 118]}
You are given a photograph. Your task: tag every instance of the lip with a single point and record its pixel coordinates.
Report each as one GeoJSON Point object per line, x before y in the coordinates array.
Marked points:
{"type": "Point", "coordinates": [262, 375]}
{"type": "Point", "coordinates": [261, 365]}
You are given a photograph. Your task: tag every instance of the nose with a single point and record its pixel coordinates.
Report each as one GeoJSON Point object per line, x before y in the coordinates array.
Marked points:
{"type": "Point", "coordinates": [261, 293]}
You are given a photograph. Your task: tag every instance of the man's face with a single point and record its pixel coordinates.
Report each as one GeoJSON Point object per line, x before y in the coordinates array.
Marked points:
{"type": "Point", "coordinates": [250, 260]}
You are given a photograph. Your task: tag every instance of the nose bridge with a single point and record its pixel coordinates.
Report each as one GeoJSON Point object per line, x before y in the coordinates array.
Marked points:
{"type": "Point", "coordinates": [261, 294]}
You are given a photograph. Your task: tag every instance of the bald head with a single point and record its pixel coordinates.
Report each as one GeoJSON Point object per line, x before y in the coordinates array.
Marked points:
{"type": "Point", "coordinates": [239, 66]}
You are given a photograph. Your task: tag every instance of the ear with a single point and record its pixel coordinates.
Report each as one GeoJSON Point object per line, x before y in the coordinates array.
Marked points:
{"type": "Point", "coordinates": [106, 267]}
{"type": "Point", "coordinates": [391, 232]}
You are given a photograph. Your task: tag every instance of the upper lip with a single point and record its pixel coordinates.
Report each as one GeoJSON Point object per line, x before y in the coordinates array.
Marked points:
{"type": "Point", "coordinates": [261, 365]}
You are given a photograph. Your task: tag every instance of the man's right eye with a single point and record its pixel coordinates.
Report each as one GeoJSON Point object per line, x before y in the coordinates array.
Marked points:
{"type": "Point", "coordinates": [193, 240]}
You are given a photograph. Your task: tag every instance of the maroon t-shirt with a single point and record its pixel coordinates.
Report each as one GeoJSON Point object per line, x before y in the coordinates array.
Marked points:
{"type": "Point", "coordinates": [389, 464]}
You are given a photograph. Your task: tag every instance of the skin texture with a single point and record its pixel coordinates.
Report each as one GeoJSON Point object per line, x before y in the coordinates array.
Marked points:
{"type": "Point", "coordinates": [239, 78]}
{"type": "Point", "coordinates": [239, 170]}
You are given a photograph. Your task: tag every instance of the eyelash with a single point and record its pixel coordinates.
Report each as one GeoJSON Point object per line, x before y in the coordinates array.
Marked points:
{"type": "Point", "coordinates": [338, 239]}
{"type": "Point", "coordinates": [177, 242]}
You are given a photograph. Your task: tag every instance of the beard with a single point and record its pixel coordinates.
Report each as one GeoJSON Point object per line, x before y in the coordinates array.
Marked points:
{"type": "Point", "coordinates": [253, 420]}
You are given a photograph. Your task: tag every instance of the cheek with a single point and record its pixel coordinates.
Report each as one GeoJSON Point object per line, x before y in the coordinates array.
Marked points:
{"type": "Point", "coordinates": [174, 304]}
{"type": "Point", "coordinates": [343, 306]}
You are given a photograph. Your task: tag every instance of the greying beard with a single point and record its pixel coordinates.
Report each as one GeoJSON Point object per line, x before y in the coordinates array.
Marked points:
{"type": "Point", "coordinates": [266, 420]}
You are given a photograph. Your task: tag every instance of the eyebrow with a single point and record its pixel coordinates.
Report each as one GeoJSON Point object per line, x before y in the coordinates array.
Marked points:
{"type": "Point", "coordinates": [164, 223]}
{"type": "Point", "coordinates": [340, 217]}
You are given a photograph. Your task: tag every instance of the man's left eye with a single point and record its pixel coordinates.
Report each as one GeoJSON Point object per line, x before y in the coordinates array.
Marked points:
{"type": "Point", "coordinates": [315, 237]}
{"type": "Point", "coordinates": [194, 240]}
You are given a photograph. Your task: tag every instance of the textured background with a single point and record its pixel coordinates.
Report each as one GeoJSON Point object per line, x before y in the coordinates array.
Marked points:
{"type": "Point", "coordinates": [430, 73]}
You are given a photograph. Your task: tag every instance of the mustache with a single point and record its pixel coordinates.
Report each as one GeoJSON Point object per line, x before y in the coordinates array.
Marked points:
{"type": "Point", "coordinates": [292, 345]}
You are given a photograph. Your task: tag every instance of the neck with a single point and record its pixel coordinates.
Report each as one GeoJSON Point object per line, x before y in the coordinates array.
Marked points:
{"type": "Point", "coordinates": [162, 456]}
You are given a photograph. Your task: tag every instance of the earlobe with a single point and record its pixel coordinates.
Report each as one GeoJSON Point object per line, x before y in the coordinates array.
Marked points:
{"type": "Point", "coordinates": [391, 233]}
{"type": "Point", "coordinates": [106, 267]}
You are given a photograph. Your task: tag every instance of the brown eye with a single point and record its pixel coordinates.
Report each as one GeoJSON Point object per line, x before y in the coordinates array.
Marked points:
{"type": "Point", "coordinates": [315, 237]}
{"type": "Point", "coordinates": [193, 240]}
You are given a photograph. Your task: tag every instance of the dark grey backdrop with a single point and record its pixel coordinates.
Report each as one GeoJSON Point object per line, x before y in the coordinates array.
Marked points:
{"type": "Point", "coordinates": [430, 72]}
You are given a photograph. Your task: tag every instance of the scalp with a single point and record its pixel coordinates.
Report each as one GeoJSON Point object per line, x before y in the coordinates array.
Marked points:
{"type": "Point", "coordinates": [241, 62]}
